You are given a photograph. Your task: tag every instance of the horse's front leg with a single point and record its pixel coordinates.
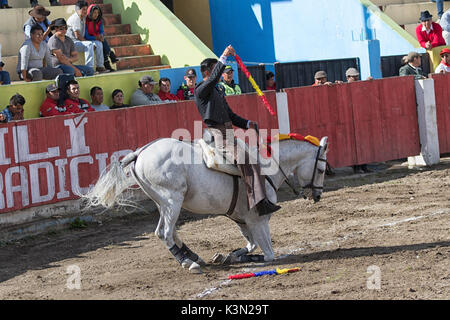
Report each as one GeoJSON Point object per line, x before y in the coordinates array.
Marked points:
{"type": "Point", "coordinates": [260, 231]}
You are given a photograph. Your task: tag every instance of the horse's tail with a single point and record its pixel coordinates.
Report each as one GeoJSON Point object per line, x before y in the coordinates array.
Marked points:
{"type": "Point", "coordinates": [113, 181]}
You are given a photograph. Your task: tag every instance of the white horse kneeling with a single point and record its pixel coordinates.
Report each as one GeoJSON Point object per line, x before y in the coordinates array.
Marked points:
{"type": "Point", "coordinates": [173, 184]}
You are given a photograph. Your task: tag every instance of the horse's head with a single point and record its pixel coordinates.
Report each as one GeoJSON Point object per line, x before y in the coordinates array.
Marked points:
{"type": "Point", "coordinates": [311, 172]}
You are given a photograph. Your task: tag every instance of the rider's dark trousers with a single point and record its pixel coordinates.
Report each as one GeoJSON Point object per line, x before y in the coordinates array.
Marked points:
{"type": "Point", "coordinates": [233, 153]}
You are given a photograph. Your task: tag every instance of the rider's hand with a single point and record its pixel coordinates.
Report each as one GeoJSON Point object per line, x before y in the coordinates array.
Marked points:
{"type": "Point", "coordinates": [229, 51]}
{"type": "Point", "coordinates": [252, 125]}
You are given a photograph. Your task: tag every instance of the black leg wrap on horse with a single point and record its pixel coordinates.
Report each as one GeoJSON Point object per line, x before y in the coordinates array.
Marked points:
{"type": "Point", "coordinates": [191, 255]}
{"type": "Point", "coordinates": [251, 258]}
{"type": "Point", "coordinates": [177, 253]}
{"type": "Point", "coordinates": [183, 253]}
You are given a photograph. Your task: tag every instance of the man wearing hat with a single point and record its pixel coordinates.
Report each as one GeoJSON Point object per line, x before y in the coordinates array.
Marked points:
{"type": "Point", "coordinates": [321, 78]}
{"type": "Point", "coordinates": [228, 86]}
{"type": "Point", "coordinates": [144, 96]}
{"type": "Point", "coordinates": [413, 66]}
{"type": "Point", "coordinates": [50, 105]}
{"type": "Point", "coordinates": [38, 16]}
{"type": "Point", "coordinates": [186, 90]}
{"type": "Point", "coordinates": [429, 33]}
{"type": "Point", "coordinates": [63, 51]}
{"type": "Point", "coordinates": [444, 66]}
{"type": "Point", "coordinates": [219, 118]}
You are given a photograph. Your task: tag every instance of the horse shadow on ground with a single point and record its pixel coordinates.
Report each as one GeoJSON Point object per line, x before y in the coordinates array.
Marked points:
{"type": "Point", "coordinates": [337, 254]}
{"type": "Point", "coordinates": [45, 251]}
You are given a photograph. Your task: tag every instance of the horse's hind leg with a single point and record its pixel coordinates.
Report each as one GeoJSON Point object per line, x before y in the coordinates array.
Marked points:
{"type": "Point", "coordinates": [169, 213]}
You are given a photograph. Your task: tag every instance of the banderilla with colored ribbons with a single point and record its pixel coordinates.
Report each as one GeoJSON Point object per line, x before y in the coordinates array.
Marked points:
{"type": "Point", "coordinates": [276, 271]}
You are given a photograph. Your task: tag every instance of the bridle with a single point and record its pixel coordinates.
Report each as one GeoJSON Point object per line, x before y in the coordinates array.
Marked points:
{"type": "Point", "coordinates": [311, 184]}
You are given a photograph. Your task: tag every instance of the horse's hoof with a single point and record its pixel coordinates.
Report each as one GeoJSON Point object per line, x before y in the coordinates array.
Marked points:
{"type": "Point", "coordinates": [218, 258]}
{"type": "Point", "coordinates": [195, 268]}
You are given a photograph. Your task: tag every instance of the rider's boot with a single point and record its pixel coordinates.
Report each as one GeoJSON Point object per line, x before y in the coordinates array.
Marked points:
{"type": "Point", "coordinates": [266, 207]}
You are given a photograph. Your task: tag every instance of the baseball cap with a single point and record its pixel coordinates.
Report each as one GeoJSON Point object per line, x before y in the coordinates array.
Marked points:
{"type": "Point", "coordinates": [320, 74]}
{"type": "Point", "coordinates": [445, 50]}
{"type": "Point", "coordinates": [228, 69]}
{"type": "Point", "coordinates": [147, 79]}
{"type": "Point", "coordinates": [351, 72]}
{"type": "Point", "coordinates": [50, 88]}
{"type": "Point", "coordinates": [190, 73]}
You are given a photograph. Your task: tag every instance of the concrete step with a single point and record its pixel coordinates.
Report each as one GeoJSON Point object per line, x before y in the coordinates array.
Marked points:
{"type": "Point", "coordinates": [409, 13]}
{"type": "Point", "coordinates": [134, 62]}
{"type": "Point", "coordinates": [117, 29]}
{"type": "Point", "coordinates": [153, 68]}
{"type": "Point", "coordinates": [123, 40]}
{"type": "Point", "coordinates": [387, 2]}
{"type": "Point", "coordinates": [69, 2]}
{"type": "Point", "coordinates": [134, 50]}
{"type": "Point", "coordinates": [112, 19]}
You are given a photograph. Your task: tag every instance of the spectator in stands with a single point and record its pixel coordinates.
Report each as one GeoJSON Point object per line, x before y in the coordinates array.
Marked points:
{"type": "Point", "coordinates": [270, 81]}
{"type": "Point", "coordinates": [352, 75]}
{"type": "Point", "coordinates": [228, 86]}
{"type": "Point", "coordinates": [445, 24]}
{"type": "Point", "coordinates": [34, 3]}
{"type": "Point", "coordinates": [97, 99]}
{"type": "Point", "coordinates": [73, 103]}
{"type": "Point", "coordinates": [164, 91]}
{"type": "Point", "coordinates": [77, 30]}
{"type": "Point", "coordinates": [64, 53]}
{"type": "Point", "coordinates": [144, 95]}
{"type": "Point", "coordinates": [444, 66]}
{"type": "Point", "coordinates": [413, 66]}
{"type": "Point", "coordinates": [439, 7]}
{"type": "Point", "coordinates": [4, 75]}
{"type": "Point", "coordinates": [96, 33]}
{"type": "Point", "coordinates": [186, 91]}
{"type": "Point", "coordinates": [4, 4]}
{"type": "Point", "coordinates": [50, 105]}
{"type": "Point", "coordinates": [38, 16]}
{"type": "Point", "coordinates": [117, 97]}
{"type": "Point", "coordinates": [321, 78]}
{"type": "Point", "coordinates": [14, 111]}
{"type": "Point", "coordinates": [32, 54]}
{"type": "Point", "coordinates": [429, 33]}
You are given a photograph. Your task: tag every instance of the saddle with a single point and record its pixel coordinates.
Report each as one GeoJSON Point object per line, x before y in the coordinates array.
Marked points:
{"type": "Point", "coordinates": [214, 160]}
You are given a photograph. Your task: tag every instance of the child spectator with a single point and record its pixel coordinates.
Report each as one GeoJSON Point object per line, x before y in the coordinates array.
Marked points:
{"type": "Point", "coordinates": [95, 32]}
{"type": "Point", "coordinates": [30, 63]}
{"type": "Point", "coordinates": [97, 99]}
{"type": "Point", "coordinates": [186, 91]}
{"type": "Point", "coordinates": [15, 109]}
{"type": "Point", "coordinates": [74, 103]}
{"type": "Point", "coordinates": [164, 91]}
{"type": "Point", "coordinates": [117, 97]}
{"type": "Point", "coordinates": [38, 16]}
{"type": "Point", "coordinates": [4, 75]}
{"type": "Point", "coordinates": [63, 51]}
{"type": "Point", "coordinates": [50, 105]}
{"type": "Point", "coordinates": [270, 81]}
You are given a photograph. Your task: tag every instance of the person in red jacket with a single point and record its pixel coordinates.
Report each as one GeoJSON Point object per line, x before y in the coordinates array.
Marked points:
{"type": "Point", "coordinates": [73, 102]}
{"type": "Point", "coordinates": [429, 33]}
{"type": "Point", "coordinates": [164, 91]}
{"type": "Point", "coordinates": [50, 105]}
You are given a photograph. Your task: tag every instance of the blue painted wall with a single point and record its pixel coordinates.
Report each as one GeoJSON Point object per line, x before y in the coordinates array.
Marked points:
{"type": "Point", "coordinates": [304, 30]}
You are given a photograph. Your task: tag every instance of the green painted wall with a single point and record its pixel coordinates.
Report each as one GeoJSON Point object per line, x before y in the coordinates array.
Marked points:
{"type": "Point", "coordinates": [34, 93]}
{"type": "Point", "coordinates": [168, 36]}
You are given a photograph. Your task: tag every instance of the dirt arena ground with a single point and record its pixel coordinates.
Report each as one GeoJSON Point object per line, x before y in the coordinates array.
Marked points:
{"type": "Point", "coordinates": [383, 235]}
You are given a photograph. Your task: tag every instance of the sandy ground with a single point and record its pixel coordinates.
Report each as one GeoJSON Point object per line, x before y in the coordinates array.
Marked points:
{"type": "Point", "coordinates": [383, 235]}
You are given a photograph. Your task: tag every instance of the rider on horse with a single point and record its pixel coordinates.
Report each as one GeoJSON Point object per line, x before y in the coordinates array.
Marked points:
{"type": "Point", "coordinates": [219, 118]}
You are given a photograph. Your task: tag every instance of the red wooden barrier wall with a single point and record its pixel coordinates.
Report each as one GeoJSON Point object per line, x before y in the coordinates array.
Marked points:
{"type": "Point", "coordinates": [366, 121]}
{"type": "Point", "coordinates": [442, 94]}
{"type": "Point", "coordinates": [46, 160]}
